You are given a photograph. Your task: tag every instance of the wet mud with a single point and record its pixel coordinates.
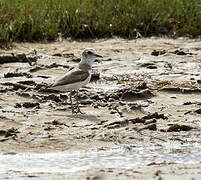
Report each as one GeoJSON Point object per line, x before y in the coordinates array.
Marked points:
{"type": "Point", "coordinates": [144, 92]}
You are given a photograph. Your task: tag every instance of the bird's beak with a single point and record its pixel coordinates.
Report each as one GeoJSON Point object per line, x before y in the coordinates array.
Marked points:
{"type": "Point", "coordinates": [97, 55]}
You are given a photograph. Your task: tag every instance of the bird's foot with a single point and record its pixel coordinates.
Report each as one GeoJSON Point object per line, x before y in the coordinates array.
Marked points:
{"type": "Point", "coordinates": [77, 110]}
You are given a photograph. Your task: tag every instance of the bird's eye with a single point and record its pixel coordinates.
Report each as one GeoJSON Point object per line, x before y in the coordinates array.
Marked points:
{"type": "Point", "coordinates": [89, 52]}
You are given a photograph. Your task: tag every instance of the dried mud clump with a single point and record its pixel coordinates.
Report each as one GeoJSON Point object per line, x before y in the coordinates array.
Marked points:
{"type": "Point", "coordinates": [17, 74]}
{"type": "Point", "coordinates": [145, 119]}
{"type": "Point", "coordinates": [30, 83]}
{"type": "Point", "coordinates": [151, 127]}
{"type": "Point", "coordinates": [179, 89]}
{"type": "Point", "coordinates": [17, 86]}
{"type": "Point", "coordinates": [133, 94]}
{"type": "Point", "coordinates": [27, 105]}
{"type": "Point", "coordinates": [178, 128]}
{"type": "Point", "coordinates": [198, 111]}
{"type": "Point", "coordinates": [157, 53]}
{"type": "Point", "coordinates": [177, 52]}
{"type": "Point", "coordinates": [12, 132]}
{"type": "Point", "coordinates": [20, 57]}
{"type": "Point", "coordinates": [117, 124]}
{"type": "Point", "coordinates": [149, 65]}
{"type": "Point", "coordinates": [181, 53]}
{"type": "Point", "coordinates": [56, 123]}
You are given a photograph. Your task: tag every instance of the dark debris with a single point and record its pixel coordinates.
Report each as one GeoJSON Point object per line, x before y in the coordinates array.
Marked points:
{"type": "Point", "coordinates": [157, 53]}
{"type": "Point", "coordinates": [27, 105]}
{"type": "Point", "coordinates": [178, 127]}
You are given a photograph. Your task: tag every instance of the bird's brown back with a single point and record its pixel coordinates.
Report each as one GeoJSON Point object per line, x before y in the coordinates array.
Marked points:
{"type": "Point", "coordinates": [73, 76]}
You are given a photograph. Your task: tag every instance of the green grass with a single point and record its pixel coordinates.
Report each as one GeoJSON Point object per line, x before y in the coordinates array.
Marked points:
{"type": "Point", "coordinates": [33, 20]}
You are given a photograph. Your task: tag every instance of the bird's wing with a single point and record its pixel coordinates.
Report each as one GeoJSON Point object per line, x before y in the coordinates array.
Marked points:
{"type": "Point", "coordinates": [73, 76]}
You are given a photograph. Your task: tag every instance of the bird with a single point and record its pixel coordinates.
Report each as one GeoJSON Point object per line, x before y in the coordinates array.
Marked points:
{"type": "Point", "coordinates": [77, 77]}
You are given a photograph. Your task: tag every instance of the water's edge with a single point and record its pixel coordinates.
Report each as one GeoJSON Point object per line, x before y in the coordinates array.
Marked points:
{"type": "Point", "coordinates": [84, 160]}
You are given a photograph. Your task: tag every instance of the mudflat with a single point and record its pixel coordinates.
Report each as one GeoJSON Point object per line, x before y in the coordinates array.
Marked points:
{"type": "Point", "coordinates": [143, 93]}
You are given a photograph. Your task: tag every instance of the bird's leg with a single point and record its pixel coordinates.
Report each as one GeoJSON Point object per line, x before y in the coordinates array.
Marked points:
{"type": "Point", "coordinates": [77, 103]}
{"type": "Point", "coordinates": [71, 102]}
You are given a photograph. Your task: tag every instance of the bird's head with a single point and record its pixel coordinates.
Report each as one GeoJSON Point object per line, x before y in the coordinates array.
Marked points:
{"type": "Point", "coordinates": [89, 55]}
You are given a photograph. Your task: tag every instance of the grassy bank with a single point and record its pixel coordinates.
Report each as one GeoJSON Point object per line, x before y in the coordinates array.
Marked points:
{"type": "Point", "coordinates": [32, 20]}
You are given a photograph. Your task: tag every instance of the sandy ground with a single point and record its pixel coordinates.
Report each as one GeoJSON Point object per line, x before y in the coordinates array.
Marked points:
{"type": "Point", "coordinates": [144, 92]}
{"type": "Point", "coordinates": [162, 171]}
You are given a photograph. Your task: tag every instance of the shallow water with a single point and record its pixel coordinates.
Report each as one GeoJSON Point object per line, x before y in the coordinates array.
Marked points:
{"type": "Point", "coordinates": [122, 157]}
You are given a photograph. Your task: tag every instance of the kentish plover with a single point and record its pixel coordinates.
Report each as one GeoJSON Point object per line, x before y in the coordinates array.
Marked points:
{"type": "Point", "coordinates": [77, 77]}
